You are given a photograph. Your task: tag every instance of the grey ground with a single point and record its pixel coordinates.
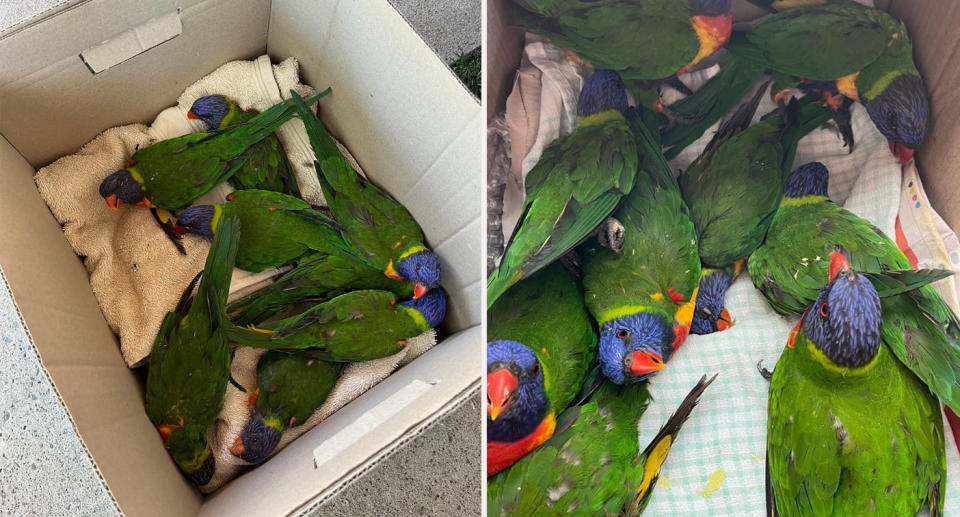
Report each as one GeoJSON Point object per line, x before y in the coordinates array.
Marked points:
{"type": "Point", "coordinates": [437, 473]}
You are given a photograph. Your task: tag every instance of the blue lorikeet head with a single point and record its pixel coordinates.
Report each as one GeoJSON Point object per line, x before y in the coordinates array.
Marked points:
{"type": "Point", "coordinates": [902, 114]}
{"type": "Point", "coordinates": [257, 441]}
{"type": "Point", "coordinates": [809, 179]}
{"type": "Point", "coordinates": [516, 400]}
{"type": "Point", "coordinates": [432, 305]}
{"type": "Point", "coordinates": [710, 315]}
{"type": "Point", "coordinates": [211, 109]}
{"type": "Point", "coordinates": [634, 347]}
{"type": "Point", "coordinates": [603, 91]}
{"type": "Point", "coordinates": [197, 220]}
{"type": "Point", "coordinates": [709, 7]}
{"type": "Point", "coordinates": [119, 188]}
{"type": "Point", "coordinates": [422, 269]}
{"type": "Point", "coordinates": [845, 321]}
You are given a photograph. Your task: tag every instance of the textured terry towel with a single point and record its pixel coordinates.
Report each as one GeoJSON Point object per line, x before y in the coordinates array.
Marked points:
{"type": "Point", "coordinates": [137, 274]}
{"type": "Point", "coordinates": [716, 466]}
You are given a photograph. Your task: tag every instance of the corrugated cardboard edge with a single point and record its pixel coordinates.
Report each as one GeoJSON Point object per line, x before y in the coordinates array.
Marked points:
{"type": "Point", "coordinates": [408, 434]}
{"type": "Point", "coordinates": [56, 391]}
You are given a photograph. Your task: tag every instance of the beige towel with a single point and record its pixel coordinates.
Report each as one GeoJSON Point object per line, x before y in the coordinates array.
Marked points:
{"type": "Point", "coordinates": [138, 276]}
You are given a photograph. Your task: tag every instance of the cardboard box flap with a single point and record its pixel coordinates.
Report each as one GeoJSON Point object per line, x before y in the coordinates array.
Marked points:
{"type": "Point", "coordinates": [404, 116]}
{"type": "Point", "coordinates": [132, 42]}
{"type": "Point", "coordinates": [45, 84]}
{"type": "Point", "coordinates": [51, 289]}
{"type": "Point", "coordinates": [403, 403]}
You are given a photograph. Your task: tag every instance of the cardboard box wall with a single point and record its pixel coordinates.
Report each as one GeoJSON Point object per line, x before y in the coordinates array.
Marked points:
{"type": "Point", "coordinates": [932, 25]}
{"type": "Point", "coordinates": [403, 114]}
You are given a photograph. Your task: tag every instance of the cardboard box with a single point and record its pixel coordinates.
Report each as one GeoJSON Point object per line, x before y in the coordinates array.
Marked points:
{"type": "Point", "coordinates": [403, 114]}
{"type": "Point", "coordinates": [931, 26]}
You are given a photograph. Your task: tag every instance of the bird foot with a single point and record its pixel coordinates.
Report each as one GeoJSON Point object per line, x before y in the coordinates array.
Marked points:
{"type": "Point", "coordinates": [611, 234]}
{"type": "Point", "coordinates": [571, 261]}
{"type": "Point", "coordinates": [166, 224]}
{"type": "Point", "coordinates": [765, 373]}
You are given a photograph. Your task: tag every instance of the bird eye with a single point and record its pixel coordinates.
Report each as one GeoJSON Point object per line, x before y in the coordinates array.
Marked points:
{"type": "Point", "coordinates": [706, 313]}
{"type": "Point", "coordinates": [535, 370]}
{"type": "Point", "coordinates": [623, 333]}
{"type": "Point", "coordinates": [824, 310]}
{"type": "Point", "coordinates": [254, 441]}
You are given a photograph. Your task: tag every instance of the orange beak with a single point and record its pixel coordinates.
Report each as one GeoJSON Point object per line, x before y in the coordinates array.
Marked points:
{"type": "Point", "coordinates": [724, 322]}
{"type": "Point", "coordinates": [113, 201]}
{"type": "Point", "coordinates": [191, 114]}
{"type": "Point", "coordinates": [903, 153]}
{"type": "Point", "coordinates": [642, 363]}
{"type": "Point", "coordinates": [837, 263]}
{"type": "Point", "coordinates": [419, 290]}
{"type": "Point", "coordinates": [500, 387]}
{"type": "Point", "coordinates": [237, 448]}
{"type": "Point", "coordinates": [391, 272]}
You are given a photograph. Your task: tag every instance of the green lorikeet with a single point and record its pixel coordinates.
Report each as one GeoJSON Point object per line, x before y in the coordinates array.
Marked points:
{"type": "Point", "coordinates": [577, 183]}
{"type": "Point", "coordinates": [190, 363]}
{"type": "Point", "coordinates": [290, 387]}
{"type": "Point", "coordinates": [267, 167]}
{"type": "Point", "coordinates": [645, 41]}
{"type": "Point", "coordinates": [277, 229]}
{"type": "Point", "coordinates": [643, 297]}
{"type": "Point", "coordinates": [735, 186]}
{"type": "Point", "coordinates": [792, 266]}
{"type": "Point", "coordinates": [843, 48]}
{"type": "Point", "coordinates": [850, 431]}
{"type": "Point", "coordinates": [540, 345]}
{"type": "Point", "coordinates": [374, 224]}
{"type": "Point", "coordinates": [357, 326]}
{"type": "Point", "coordinates": [316, 278]}
{"type": "Point", "coordinates": [173, 173]}
{"type": "Point", "coordinates": [593, 465]}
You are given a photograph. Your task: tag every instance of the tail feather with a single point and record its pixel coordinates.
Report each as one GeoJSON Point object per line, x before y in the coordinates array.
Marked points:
{"type": "Point", "coordinates": [215, 282]}
{"type": "Point", "coordinates": [323, 144]}
{"type": "Point", "coordinates": [711, 102]}
{"type": "Point", "coordinates": [738, 121]}
{"type": "Point", "coordinates": [656, 452]}
{"type": "Point", "coordinates": [803, 116]}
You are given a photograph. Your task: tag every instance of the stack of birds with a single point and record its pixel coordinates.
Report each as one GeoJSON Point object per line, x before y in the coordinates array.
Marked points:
{"type": "Point", "coordinates": [363, 281]}
{"type": "Point", "coordinates": [614, 261]}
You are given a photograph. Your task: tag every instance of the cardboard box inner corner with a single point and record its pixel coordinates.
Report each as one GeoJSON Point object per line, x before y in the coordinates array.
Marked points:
{"type": "Point", "coordinates": [413, 127]}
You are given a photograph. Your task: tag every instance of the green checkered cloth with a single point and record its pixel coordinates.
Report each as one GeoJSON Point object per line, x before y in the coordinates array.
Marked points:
{"type": "Point", "coordinates": [717, 464]}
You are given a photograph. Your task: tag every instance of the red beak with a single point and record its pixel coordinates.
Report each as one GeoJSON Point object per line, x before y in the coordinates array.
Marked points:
{"type": "Point", "coordinates": [180, 229]}
{"type": "Point", "coordinates": [903, 153]}
{"type": "Point", "coordinates": [419, 290]}
{"type": "Point", "coordinates": [645, 362]}
{"type": "Point", "coordinates": [500, 387]}
{"type": "Point", "coordinates": [838, 263]}
{"type": "Point", "coordinates": [237, 448]}
{"type": "Point", "coordinates": [191, 114]}
{"type": "Point", "coordinates": [724, 322]}
{"type": "Point", "coordinates": [113, 201]}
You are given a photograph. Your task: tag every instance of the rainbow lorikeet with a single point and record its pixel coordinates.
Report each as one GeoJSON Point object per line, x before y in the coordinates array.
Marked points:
{"type": "Point", "coordinates": [357, 326]}
{"type": "Point", "coordinates": [577, 183]}
{"type": "Point", "coordinates": [277, 229]}
{"type": "Point", "coordinates": [173, 173]}
{"type": "Point", "coordinates": [593, 465]}
{"type": "Point", "coordinates": [645, 41]}
{"type": "Point", "coordinates": [792, 266]}
{"type": "Point", "coordinates": [375, 225]}
{"type": "Point", "coordinates": [840, 48]}
{"type": "Point", "coordinates": [316, 278]}
{"type": "Point", "coordinates": [851, 430]}
{"type": "Point", "coordinates": [267, 167]}
{"type": "Point", "coordinates": [190, 363]}
{"type": "Point", "coordinates": [710, 315]}
{"type": "Point", "coordinates": [643, 297]}
{"type": "Point", "coordinates": [290, 387]}
{"type": "Point", "coordinates": [734, 187]}
{"type": "Point", "coordinates": [541, 343]}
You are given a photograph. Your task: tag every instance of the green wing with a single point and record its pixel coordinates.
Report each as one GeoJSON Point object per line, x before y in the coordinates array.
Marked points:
{"type": "Point", "coordinates": [292, 386]}
{"type": "Point", "coordinates": [577, 183]}
{"type": "Point", "coordinates": [374, 223]}
{"type": "Point", "coordinates": [652, 40]}
{"type": "Point", "coordinates": [546, 313]}
{"type": "Point", "coordinates": [842, 36]}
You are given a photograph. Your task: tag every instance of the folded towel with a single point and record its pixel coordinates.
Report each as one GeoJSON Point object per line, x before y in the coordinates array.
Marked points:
{"type": "Point", "coordinates": [136, 273]}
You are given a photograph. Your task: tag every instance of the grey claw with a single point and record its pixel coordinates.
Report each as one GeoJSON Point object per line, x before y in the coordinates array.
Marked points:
{"type": "Point", "coordinates": [765, 373]}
